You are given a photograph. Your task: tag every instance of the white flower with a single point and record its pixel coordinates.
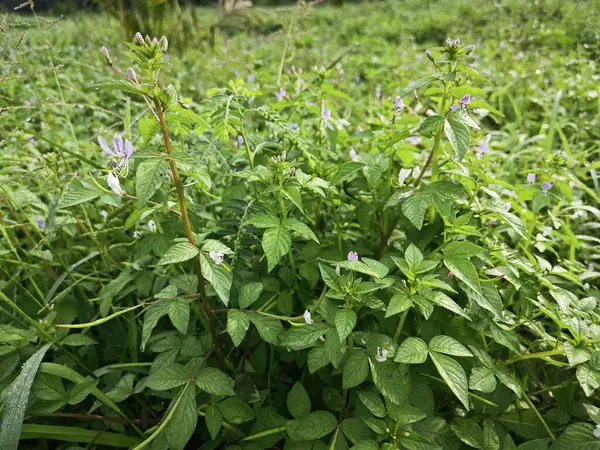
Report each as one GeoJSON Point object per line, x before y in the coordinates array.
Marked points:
{"type": "Point", "coordinates": [151, 226]}
{"type": "Point", "coordinates": [382, 354]}
{"type": "Point", "coordinates": [596, 431]}
{"type": "Point", "coordinates": [307, 317]}
{"type": "Point", "coordinates": [136, 234]}
{"type": "Point", "coordinates": [506, 206]}
{"type": "Point", "coordinates": [403, 175]}
{"type": "Point", "coordinates": [337, 270]}
{"type": "Point", "coordinates": [113, 182]}
{"type": "Point", "coordinates": [216, 257]}
{"type": "Point", "coordinates": [104, 214]}
{"type": "Point", "coordinates": [353, 155]}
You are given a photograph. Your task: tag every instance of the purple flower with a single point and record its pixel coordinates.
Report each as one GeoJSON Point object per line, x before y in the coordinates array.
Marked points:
{"type": "Point", "coordinates": [294, 126]}
{"type": "Point", "coordinates": [353, 256]}
{"type": "Point", "coordinates": [119, 151]}
{"type": "Point", "coordinates": [590, 266]}
{"type": "Point", "coordinates": [325, 113]}
{"type": "Point", "coordinates": [353, 155]}
{"type": "Point", "coordinates": [465, 100]}
{"type": "Point", "coordinates": [449, 276]}
{"type": "Point", "coordinates": [106, 55]}
{"type": "Point", "coordinates": [414, 140]}
{"type": "Point", "coordinates": [41, 223]}
{"type": "Point", "coordinates": [33, 141]}
{"type": "Point", "coordinates": [250, 78]}
{"type": "Point", "coordinates": [399, 105]}
{"type": "Point", "coordinates": [531, 177]}
{"type": "Point", "coordinates": [546, 187]}
{"type": "Point", "coordinates": [483, 145]}
{"type": "Point", "coordinates": [240, 140]}
{"type": "Point", "coordinates": [280, 94]}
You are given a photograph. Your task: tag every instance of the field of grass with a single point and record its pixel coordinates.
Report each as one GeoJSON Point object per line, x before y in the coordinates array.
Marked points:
{"type": "Point", "coordinates": [374, 226]}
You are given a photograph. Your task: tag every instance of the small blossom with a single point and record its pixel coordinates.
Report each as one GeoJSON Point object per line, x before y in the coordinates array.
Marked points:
{"type": "Point", "coordinates": [359, 129]}
{"type": "Point", "coordinates": [251, 78]}
{"type": "Point", "coordinates": [337, 270]}
{"type": "Point", "coordinates": [217, 257]}
{"type": "Point", "coordinates": [414, 140]}
{"type": "Point", "coordinates": [353, 256]}
{"type": "Point", "coordinates": [353, 155]}
{"type": "Point", "coordinates": [283, 155]}
{"type": "Point", "coordinates": [483, 145]}
{"type": "Point", "coordinates": [596, 432]}
{"type": "Point", "coordinates": [163, 44]}
{"type": "Point", "coordinates": [41, 223]}
{"type": "Point", "coordinates": [136, 234]}
{"type": "Point", "coordinates": [120, 151]}
{"type": "Point", "coordinates": [113, 182]}
{"type": "Point", "coordinates": [292, 171]}
{"type": "Point", "coordinates": [465, 100]}
{"type": "Point", "coordinates": [378, 93]}
{"type": "Point", "coordinates": [531, 177]}
{"type": "Point", "coordinates": [399, 105]}
{"type": "Point", "coordinates": [307, 317]}
{"type": "Point", "coordinates": [382, 354]}
{"type": "Point", "coordinates": [403, 175]}
{"type": "Point", "coordinates": [590, 266]}
{"type": "Point", "coordinates": [104, 214]}
{"type": "Point", "coordinates": [132, 76]}
{"type": "Point", "coordinates": [240, 140]}
{"type": "Point", "coordinates": [325, 113]}
{"type": "Point", "coordinates": [546, 187]}
{"type": "Point", "coordinates": [578, 214]}
{"type": "Point", "coordinates": [280, 94]}
{"type": "Point", "coordinates": [151, 226]}
{"type": "Point", "coordinates": [294, 126]}
{"type": "Point", "coordinates": [449, 276]}
{"type": "Point", "coordinates": [506, 206]}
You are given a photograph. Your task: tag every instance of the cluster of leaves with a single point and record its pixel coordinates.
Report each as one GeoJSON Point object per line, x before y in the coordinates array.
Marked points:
{"type": "Point", "coordinates": [266, 274]}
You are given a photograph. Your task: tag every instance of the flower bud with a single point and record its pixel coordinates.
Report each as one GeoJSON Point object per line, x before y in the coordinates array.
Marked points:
{"type": "Point", "coordinates": [106, 55]}
{"type": "Point", "coordinates": [138, 39]}
{"type": "Point", "coordinates": [132, 76]}
{"type": "Point", "coordinates": [429, 55]}
{"type": "Point", "coordinates": [163, 44]}
{"type": "Point", "coordinates": [469, 49]}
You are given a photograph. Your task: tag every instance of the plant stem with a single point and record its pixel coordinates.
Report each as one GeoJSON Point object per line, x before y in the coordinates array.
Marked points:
{"type": "Point", "coordinates": [209, 319]}
{"type": "Point", "coordinates": [291, 252]}
{"type": "Point", "coordinates": [265, 433]}
{"type": "Point", "coordinates": [533, 356]}
{"type": "Point", "coordinates": [400, 325]}
{"type": "Point", "coordinates": [540, 418]}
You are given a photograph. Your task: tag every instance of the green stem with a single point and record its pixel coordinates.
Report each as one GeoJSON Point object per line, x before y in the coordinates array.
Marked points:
{"type": "Point", "coordinates": [291, 252]}
{"type": "Point", "coordinates": [533, 356]}
{"type": "Point", "coordinates": [264, 433]}
{"type": "Point", "coordinates": [400, 325]}
{"type": "Point", "coordinates": [540, 418]}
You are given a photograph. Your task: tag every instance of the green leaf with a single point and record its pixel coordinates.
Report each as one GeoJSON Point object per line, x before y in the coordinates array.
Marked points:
{"type": "Point", "coordinates": [81, 390]}
{"type": "Point", "coordinates": [314, 426]}
{"type": "Point", "coordinates": [448, 346]}
{"type": "Point", "coordinates": [431, 124]}
{"type": "Point", "coordinates": [214, 420]}
{"type": "Point", "coordinates": [300, 228]}
{"type": "Point", "coordinates": [236, 411]}
{"type": "Point", "coordinates": [482, 379]}
{"type": "Point", "coordinates": [491, 441]}
{"type": "Point", "coordinates": [454, 376]}
{"type": "Point", "coordinates": [16, 401]}
{"type": "Point", "coordinates": [467, 431]}
{"type": "Point", "coordinates": [151, 318]}
{"type": "Point", "coordinates": [183, 423]}
{"type": "Point", "coordinates": [345, 320]}
{"type": "Point", "coordinates": [441, 299]}
{"type": "Point", "coordinates": [276, 243]}
{"type": "Point", "coordinates": [593, 412]}
{"type": "Point", "coordinates": [167, 377]}
{"type": "Point", "coordinates": [367, 266]}
{"type": "Point", "coordinates": [413, 257]}
{"type": "Point", "coordinates": [78, 340]}
{"type": "Point", "coordinates": [298, 338]}
{"type": "Point", "coordinates": [317, 359]}
{"type": "Point", "coordinates": [405, 414]}
{"type": "Point", "coordinates": [413, 350]}
{"type": "Point", "coordinates": [578, 436]}
{"type": "Point", "coordinates": [415, 207]}
{"type": "Point", "coordinates": [268, 328]}
{"type": "Point", "coordinates": [390, 381]}
{"type": "Point", "coordinates": [215, 382]}
{"type": "Point", "coordinates": [298, 401]}
{"type": "Point", "coordinates": [464, 270]}
{"type": "Point", "coordinates": [48, 387]}
{"type": "Point", "coordinates": [329, 276]}
{"type": "Point", "coordinates": [400, 302]}
{"type": "Point", "coordinates": [366, 445]}
{"type": "Point", "coordinates": [265, 220]}
{"type": "Point", "coordinates": [589, 379]}
{"type": "Point", "coordinates": [462, 250]}
{"type": "Point", "coordinates": [417, 84]}
{"type": "Point", "coordinates": [356, 430]}
{"type": "Point", "coordinates": [345, 172]}
{"type": "Point", "coordinates": [356, 370]}
{"type": "Point", "coordinates": [293, 194]}
{"type": "Point", "coordinates": [179, 314]}
{"type": "Point", "coordinates": [74, 434]}
{"type": "Point", "coordinates": [525, 423]}
{"type": "Point", "coordinates": [237, 325]}
{"type": "Point", "coordinates": [149, 176]}
{"type": "Point", "coordinates": [575, 355]}
{"type": "Point", "coordinates": [218, 277]}
{"type": "Point", "coordinates": [80, 194]}
{"type": "Point", "coordinates": [180, 252]}
{"type": "Point", "coordinates": [373, 402]}
{"type": "Point", "coordinates": [334, 348]}
{"type": "Point", "coordinates": [249, 293]}
{"type": "Point", "coordinates": [459, 137]}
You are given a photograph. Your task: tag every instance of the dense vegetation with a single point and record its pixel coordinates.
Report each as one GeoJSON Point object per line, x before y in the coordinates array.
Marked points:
{"type": "Point", "coordinates": [368, 227]}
